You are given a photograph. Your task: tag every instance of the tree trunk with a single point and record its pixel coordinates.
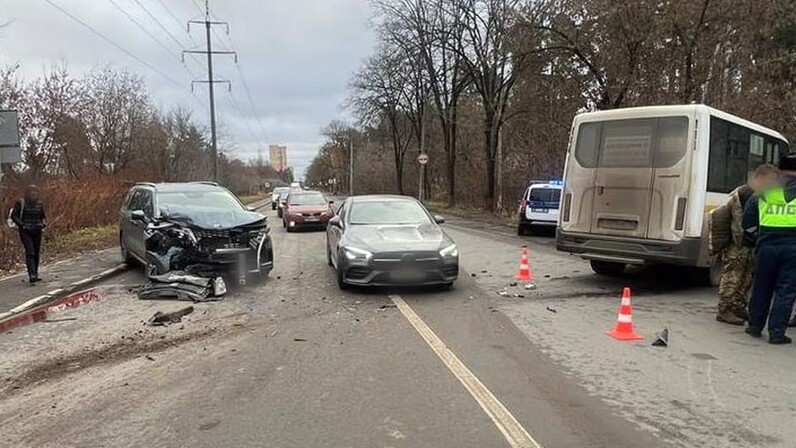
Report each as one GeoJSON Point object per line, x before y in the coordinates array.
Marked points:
{"type": "Point", "coordinates": [490, 151]}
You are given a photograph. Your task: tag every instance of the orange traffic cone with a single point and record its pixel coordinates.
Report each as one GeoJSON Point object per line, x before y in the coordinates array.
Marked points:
{"type": "Point", "coordinates": [524, 273]}
{"type": "Point", "coordinates": [624, 330]}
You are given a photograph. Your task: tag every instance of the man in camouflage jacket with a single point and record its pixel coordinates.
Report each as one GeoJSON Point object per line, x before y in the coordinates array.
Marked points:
{"type": "Point", "coordinates": [727, 240]}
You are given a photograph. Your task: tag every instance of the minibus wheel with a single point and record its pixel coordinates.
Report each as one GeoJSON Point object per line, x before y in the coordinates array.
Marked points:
{"type": "Point", "coordinates": [607, 268]}
{"type": "Point", "coordinates": [709, 276]}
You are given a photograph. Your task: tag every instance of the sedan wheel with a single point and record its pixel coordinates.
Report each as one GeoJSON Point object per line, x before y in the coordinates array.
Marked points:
{"type": "Point", "coordinates": [329, 255]}
{"type": "Point", "coordinates": [340, 277]}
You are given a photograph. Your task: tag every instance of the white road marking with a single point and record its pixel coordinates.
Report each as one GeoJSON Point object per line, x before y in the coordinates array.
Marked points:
{"type": "Point", "coordinates": [512, 430]}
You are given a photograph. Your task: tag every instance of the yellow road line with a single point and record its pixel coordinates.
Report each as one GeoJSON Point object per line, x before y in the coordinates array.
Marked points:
{"type": "Point", "coordinates": [512, 430]}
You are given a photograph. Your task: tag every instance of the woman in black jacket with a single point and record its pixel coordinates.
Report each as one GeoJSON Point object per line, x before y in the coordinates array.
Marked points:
{"type": "Point", "coordinates": [28, 214]}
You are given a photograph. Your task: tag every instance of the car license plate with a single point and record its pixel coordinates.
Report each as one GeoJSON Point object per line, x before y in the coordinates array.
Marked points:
{"type": "Point", "coordinates": [538, 210]}
{"type": "Point", "coordinates": [312, 219]}
{"type": "Point", "coordinates": [407, 275]}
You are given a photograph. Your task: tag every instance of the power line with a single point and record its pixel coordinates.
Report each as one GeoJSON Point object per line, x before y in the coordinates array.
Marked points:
{"type": "Point", "coordinates": [159, 23]}
{"type": "Point", "coordinates": [144, 29]}
{"type": "Point", "coordinates": [171, 14]}
{"type": "Point", "coordinates": [114, 44]}
{"type": "Point", "coordinates": [251, 101]}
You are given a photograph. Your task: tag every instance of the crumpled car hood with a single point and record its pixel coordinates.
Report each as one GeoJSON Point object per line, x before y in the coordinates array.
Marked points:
{"type": "Point", "coordinates": [212, 219]}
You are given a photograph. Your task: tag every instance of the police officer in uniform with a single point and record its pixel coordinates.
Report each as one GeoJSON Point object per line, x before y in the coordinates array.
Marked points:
{"type": "Point", "coordinates": [772, 217]}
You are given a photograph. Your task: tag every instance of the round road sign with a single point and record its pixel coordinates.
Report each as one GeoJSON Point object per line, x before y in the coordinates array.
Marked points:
{"type": "Point", "coordinates": [422, 158]}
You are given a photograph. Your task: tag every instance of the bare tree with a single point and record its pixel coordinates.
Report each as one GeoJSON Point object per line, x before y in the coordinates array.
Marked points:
{"type": "Point", "coordinates": [434, 30]}
{"type": "Point", "coordinates": [493, 66]}
{"type": "Point", "coordinates": [382, 92]}
{"type": "Point", "coordinates": [115, 107]}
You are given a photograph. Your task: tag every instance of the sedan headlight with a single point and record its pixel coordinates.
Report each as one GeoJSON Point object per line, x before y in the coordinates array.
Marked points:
{"type": "Point", "coordinates": [449, 252]}
{"type": "Point", "coordinates": [352, 253]}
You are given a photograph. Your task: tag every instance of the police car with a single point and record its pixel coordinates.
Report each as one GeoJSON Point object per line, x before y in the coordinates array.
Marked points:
{"type": "Point", "coordinates": [539, 206]}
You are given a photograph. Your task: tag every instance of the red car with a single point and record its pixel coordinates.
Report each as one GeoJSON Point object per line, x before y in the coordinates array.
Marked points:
{"type": "Point", "coordinates": [306, 209]}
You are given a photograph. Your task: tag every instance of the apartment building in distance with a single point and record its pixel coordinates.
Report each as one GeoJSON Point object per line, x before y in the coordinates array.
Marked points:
{"type": "Point", "coordinates": [277, 157]}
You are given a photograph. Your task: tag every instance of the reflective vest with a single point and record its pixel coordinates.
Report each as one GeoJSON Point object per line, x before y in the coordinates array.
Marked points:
{"type": "Point", "coordinates": [775, 211]}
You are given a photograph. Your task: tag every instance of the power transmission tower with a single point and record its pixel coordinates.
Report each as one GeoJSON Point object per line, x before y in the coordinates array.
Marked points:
{"type": "Point", "coordinates": [210, 81]}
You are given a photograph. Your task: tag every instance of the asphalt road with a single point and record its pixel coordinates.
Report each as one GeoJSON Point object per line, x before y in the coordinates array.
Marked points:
{"type": "Point", "coordinates": [294, 362]}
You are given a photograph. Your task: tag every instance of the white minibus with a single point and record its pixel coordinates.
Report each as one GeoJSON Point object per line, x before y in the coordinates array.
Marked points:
{"type": "Point", "coordinates": [639, 183]}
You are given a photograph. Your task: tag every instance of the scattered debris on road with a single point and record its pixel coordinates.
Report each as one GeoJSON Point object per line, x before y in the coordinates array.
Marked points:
{"type": "Point", "coordinates": [663, 339]}
{"type": "Point", "coordinates": [530, 286]}
{"type": "Point", "coordinates": [551, 310]}
{"type": "Point", "coordinates": [299, 340]}
{"type": "Point", "coordinates": [160, 318]}
{"type": "Point", "coordinates": [177, 266]}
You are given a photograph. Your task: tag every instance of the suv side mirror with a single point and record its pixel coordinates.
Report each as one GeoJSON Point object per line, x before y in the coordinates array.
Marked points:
{"type": "Point", "coordinates": [138, 216]}
{"type": "Point", "coordinates": [331, 202]}
{"type": "Point", "coordinates": [336, 222]}
{"type": "Point", "coordinates": [439, 219]}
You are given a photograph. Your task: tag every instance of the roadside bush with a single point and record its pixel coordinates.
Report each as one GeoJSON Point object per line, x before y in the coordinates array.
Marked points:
{"type": "Point", "coordinates": [72, 206]}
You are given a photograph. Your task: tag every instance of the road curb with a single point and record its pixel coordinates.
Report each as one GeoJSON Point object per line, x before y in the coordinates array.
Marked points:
{"type": "Point", "coordinates": [59, 293]}
{"type": "Point", "coordinates": [40, 313]}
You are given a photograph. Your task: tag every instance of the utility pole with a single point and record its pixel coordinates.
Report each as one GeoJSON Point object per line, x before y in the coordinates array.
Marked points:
{"type": "Point", "coordinates": [499, 156]}
{"type": "Point", "coordinates": [422, 186]}
{"type": "Point", "coordinates": [351, 166]}
{"type": "Point", "coordinates": [210, 81]}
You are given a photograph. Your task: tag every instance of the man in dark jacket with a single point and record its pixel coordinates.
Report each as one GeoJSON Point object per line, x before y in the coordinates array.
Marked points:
{"type": "Point", "coordinates": [28, 214]}
{"type": "Point", "coordinates": [771, 218]}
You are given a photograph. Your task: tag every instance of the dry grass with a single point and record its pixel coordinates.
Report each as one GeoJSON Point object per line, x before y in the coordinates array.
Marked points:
{"type": "Point", "coordinates": [81, 215]}
{"type": "Point", "coordinates": [252, 198]}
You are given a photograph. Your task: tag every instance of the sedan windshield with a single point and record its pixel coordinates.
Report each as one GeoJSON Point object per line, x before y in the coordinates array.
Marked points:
{"type": "Point", "coordinates": [388, 212]}
{"type": "Point", "coordinates": [307, 199]}
{"type": "Point", "coordinates": [200, 199]}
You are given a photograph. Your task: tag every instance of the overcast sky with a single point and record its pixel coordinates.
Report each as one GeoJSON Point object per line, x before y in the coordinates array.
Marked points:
{"type": "Point", "coordinates": [295, 56]}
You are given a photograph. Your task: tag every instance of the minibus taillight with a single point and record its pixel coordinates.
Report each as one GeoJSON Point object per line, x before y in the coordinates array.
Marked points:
{"type": "Point", "coordinates": [679, 221]}
{"type": "Point", "coordinates": [567, 206]}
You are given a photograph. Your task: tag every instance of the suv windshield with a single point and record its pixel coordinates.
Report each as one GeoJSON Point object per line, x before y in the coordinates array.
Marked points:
{"type": "Point", "coordinates": [307, 199]}
{"type": "Point", "coordinates": [388, 212]}
{"type": "Point", "coordinates": [200, 199]}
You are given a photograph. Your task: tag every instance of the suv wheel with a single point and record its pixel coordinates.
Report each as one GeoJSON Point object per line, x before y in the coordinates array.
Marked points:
{"type": "Point", "coordinates": [126, 257]}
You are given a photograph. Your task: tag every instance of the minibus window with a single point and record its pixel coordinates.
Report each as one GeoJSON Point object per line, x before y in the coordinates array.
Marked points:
{"type": "Point", "coordinates": [627, 144]}
{"type": "Point", "coordinates": [586, 149]}
{"type": "Point", "coordinates": [672, 141]}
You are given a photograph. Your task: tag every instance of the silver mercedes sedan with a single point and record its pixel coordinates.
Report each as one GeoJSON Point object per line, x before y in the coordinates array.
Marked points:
{"type": "Point", "coordinates": [389, 240]}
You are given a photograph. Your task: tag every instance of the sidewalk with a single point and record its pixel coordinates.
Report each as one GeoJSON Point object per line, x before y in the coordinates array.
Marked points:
{"type": "Point", "coordinates": [15, 290]}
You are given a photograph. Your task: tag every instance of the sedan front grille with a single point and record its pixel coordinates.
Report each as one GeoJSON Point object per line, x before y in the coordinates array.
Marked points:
{"type": "Point", "coordinates": [402, 260]}
{"type": "Point", "coordinates": [227, 239]}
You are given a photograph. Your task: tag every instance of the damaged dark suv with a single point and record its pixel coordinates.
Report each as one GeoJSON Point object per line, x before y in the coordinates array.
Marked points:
{"type": "Point", "coordinates": [219, 231]}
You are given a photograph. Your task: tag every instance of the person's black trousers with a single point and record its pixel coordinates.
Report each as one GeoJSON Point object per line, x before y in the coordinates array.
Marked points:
{"type": "Point", "coordinates": [774, 289]}
{"type": "Point", "coordinates": [31, 240]}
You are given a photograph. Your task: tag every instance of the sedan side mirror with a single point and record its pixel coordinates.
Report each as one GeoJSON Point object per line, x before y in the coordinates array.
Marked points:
{"type": "Point", "coordinates": [336, 222]}
{"type": "Point", "coordinates": [138, 216]}
{"type": "Point", "coordinates": [250, 208]}
{"type": "Point", "coordinates": [439, 219]}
